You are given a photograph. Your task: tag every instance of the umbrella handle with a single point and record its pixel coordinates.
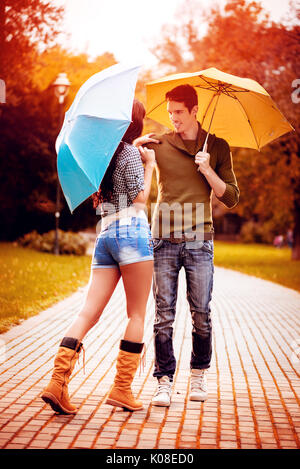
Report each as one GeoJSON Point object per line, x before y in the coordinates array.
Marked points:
{"type": "Point", "coordinates": [204, 149]}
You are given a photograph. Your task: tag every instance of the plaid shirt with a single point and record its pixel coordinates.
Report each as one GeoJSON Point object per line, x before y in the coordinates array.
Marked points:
{"type": "Point", "coordinates": [128, 180]}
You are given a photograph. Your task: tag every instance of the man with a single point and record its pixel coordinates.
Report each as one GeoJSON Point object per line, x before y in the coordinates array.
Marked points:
{"type": "Point", "coordinates": [182, 231]}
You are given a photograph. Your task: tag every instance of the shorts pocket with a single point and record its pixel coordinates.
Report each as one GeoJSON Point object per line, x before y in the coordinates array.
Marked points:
{"type": "Point", "coordinates": [127, 238]}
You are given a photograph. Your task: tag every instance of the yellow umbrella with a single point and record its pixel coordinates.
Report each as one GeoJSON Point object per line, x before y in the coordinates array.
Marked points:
{"type": "Point", "coordinates": [237, 109]}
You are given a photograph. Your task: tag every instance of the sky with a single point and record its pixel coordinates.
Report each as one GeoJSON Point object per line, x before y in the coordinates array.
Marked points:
{"type": "Point", "coordinates": [128, 28]}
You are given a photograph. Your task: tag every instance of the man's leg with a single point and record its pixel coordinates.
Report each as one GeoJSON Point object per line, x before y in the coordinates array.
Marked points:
{"type": "Point", "coordinates": [167, 264]}
{"type": "Point", "coordinates": [199, 269]}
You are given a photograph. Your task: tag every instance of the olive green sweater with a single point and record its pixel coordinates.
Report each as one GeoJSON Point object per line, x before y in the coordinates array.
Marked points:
{"type": "Point", "coordinates": [180, 185]}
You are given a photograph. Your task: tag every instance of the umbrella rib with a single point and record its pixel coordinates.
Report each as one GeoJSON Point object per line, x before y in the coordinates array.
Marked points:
{"type": "Point", "coordinates": [249, 123]}
{"type": "Point", "coordinates": [214, 87]}
{"type": "Point", "coordinates": [221, 86]}
{"type": "Point", "coordinates": [223, 90]}
{"type": "Point", "coordinates": [271, 104]}
{"type": "Point", "coordinates": [155, 107]}
{"type": "Point", "coordinates": [211, 87]}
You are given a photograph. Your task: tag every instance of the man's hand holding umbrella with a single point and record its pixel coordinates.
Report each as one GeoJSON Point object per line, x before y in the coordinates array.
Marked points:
{"type": "Point", "coordinates": [202, 159]}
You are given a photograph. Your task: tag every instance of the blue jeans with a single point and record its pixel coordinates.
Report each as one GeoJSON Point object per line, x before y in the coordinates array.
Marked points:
{"type": "Point", "coordinates": [197, 259]}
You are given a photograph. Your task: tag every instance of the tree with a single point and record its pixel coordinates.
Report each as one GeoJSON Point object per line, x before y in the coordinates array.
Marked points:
{"type": "Point", "coordinates": [78, 68]}
{"type": "Point", "coordinates": [26, 26]}
{"type": "Point", "coordinates": [27, 147]}
{"type": "Point", "coordinates": [242, 40]}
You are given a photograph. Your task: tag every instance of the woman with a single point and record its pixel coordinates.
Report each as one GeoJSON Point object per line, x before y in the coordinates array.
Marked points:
{"type": "Point", "coordinates": [123, 248]}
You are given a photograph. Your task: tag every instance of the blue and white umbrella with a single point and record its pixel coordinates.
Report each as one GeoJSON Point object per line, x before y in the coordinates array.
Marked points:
{"type": "Point", "coordinates": [92, 130]}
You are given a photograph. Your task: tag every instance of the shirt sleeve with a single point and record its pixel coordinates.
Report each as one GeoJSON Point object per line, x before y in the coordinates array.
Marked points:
{"type": "Point", "coordinates": [224, 170]}
{"type": "Point", "coordinates": [134, 174]}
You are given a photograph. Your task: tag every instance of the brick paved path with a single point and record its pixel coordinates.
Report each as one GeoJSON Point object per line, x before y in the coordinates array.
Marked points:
{"type": "Point", "coordinates": [253, 381]}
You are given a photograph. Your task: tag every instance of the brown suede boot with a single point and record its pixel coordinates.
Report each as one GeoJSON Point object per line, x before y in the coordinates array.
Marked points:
{"type": "Point", "coordinates": [56, 393]}
{"type": "Point", "coordinates": [127, 364]}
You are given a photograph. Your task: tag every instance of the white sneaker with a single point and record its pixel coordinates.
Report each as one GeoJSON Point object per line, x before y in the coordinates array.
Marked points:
{"type": "Point", "coordinates": [162, 397]}
{"type": "Point", "coordinates": [199, 390]}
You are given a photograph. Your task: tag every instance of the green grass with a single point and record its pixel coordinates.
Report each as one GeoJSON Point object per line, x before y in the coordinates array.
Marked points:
{"type": "Point", "coordinates": [262, 261]}
{"type": "Point", "coordinates": [31, 281]}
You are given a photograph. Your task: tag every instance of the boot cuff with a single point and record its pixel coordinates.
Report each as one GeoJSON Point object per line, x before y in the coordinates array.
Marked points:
{"type": "Point", "coordinates": [70, 342]}
{"type": "Point", "coordinates": [132, 347]}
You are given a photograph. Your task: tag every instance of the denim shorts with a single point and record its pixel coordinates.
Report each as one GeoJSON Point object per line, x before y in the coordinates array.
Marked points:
{"type": "Point", "coordinates": [124, 241]}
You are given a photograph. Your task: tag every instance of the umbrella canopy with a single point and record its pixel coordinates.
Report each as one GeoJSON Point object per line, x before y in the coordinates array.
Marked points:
{"type": "Point", "coordinates": [92, 130]}
{"type": "Point", "coordinates": [237, 109]}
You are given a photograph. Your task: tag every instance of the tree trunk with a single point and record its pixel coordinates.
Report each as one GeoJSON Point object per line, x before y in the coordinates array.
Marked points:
{"type": "Point", "coordinates": [296, 233]}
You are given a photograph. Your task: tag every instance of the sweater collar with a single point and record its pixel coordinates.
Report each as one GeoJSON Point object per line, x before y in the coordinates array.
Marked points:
{"type": "Point", "coordinates": [176, 141]}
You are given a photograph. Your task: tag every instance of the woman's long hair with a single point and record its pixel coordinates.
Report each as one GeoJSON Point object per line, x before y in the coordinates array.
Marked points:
{"type": "Point", "coordinates": [134, 131]}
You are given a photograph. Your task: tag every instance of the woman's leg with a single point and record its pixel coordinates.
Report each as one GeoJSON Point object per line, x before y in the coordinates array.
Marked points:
{"type": "Point", "coordinates": [137, 279]}
{"type": "Point", "coordinates": [103, 282]}
{"type": "Point", "coordinates": [101, 286]}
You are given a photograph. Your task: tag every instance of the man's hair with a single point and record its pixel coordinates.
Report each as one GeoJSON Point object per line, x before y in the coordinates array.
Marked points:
{"type": "Point", "coordinates": [185, 94]}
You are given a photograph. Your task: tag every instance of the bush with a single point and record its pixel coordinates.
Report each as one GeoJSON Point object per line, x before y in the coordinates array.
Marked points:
{"type": "Point", "coordinates": [69, 242]}
{"type": "Point", "coordinates": [253, 232]}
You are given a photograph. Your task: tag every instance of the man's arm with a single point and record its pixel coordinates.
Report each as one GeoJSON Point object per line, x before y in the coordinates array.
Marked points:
{"type": "Point", "coordinates": [222, 181]}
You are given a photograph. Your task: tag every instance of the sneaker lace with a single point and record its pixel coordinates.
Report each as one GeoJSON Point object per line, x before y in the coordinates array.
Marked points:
{"type": "Point", "coordinates": [198, 381]}
{"type": "Point", "coordinates": [163, 387]}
